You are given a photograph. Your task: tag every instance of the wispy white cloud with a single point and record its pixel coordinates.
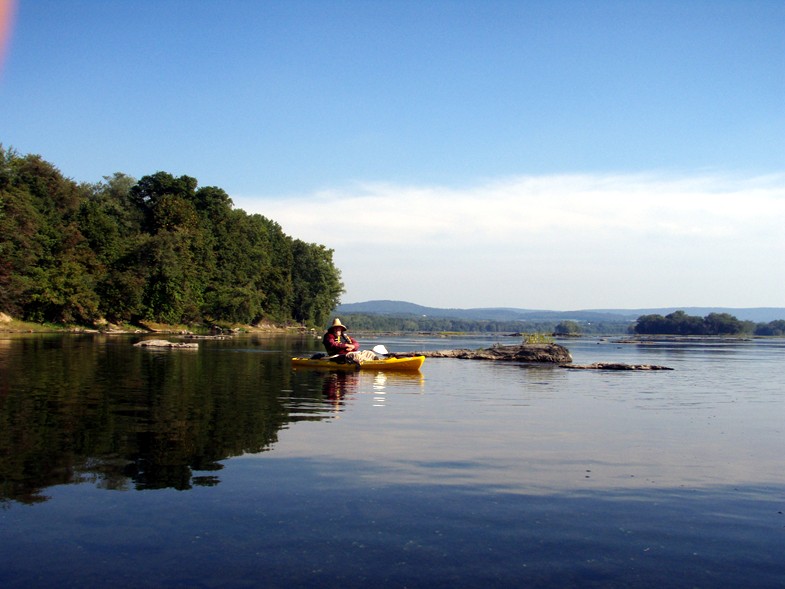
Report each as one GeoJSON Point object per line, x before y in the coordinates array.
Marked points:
{"type": "Point", "coordinates": [513, 209]}
{"type": "Point", "coordinates": [606, 231]}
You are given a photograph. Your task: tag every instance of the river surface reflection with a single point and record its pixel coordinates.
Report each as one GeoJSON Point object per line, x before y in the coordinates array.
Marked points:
{"type": "Point", "coordinates": [224, 467]}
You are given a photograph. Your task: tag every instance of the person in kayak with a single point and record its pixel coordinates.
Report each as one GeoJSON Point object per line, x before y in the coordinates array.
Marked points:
{"type": "Point", "coordinates": [337, 341]}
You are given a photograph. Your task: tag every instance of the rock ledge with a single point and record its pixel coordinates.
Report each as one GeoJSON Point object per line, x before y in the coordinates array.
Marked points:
{"type": "Point", "coordinates": [546, 353]}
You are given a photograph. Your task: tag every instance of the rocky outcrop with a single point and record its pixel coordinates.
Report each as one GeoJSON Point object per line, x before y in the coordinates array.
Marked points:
{"type": "Point", "coordinates": [545, 353]}
{"type": "Point", "coordinates": [162, 343]}
{"type": "Point", "coordinates": [614, 366]}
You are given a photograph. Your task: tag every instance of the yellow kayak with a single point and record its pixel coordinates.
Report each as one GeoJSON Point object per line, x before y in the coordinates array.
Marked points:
{"type": "Point", "coordinates": [408, 363]}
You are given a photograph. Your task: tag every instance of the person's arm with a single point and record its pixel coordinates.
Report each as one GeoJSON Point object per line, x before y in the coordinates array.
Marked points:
{"type": "Point", "coordinates": [350, 346]}
{"type": "Point", "coordinates": [338, 347]}
{"type": "Point", "coordinates": [329, 343]}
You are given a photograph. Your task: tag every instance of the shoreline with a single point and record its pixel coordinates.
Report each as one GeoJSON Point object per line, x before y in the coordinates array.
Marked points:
{"type": "Point", "coordinates": [10, 325]}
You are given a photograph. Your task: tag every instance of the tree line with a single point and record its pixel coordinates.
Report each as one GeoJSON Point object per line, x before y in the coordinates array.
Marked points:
{"type": "Point", "coordinates": [421, 324]}
{"type": "Point", "coordinates": [679, 323]}
{"type": "Point", "coordinates": [159, 249]}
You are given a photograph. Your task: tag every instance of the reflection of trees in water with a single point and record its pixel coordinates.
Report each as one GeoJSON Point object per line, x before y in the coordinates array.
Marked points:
{"type": "Point", "coordinates": [75, 409]}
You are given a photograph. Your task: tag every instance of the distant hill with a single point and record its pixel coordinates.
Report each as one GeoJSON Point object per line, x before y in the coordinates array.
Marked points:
{"type": "Point", "coordinates": [402, 309]}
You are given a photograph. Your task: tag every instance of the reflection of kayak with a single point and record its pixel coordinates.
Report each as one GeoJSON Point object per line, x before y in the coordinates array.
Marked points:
{"type": "Point", "coordinates": [409, 363]}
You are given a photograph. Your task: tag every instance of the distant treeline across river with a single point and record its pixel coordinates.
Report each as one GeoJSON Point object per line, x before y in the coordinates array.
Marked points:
{"type": "Point", "coordinates": [676, 323]}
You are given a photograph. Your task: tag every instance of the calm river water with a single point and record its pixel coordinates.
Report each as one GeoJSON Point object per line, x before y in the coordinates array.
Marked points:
{"type": "Point", "coordinates": [223, 467]}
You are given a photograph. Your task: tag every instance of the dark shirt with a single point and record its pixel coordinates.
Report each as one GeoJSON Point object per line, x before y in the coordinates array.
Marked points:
{"type": "Point", "coordinates": [336, 343]}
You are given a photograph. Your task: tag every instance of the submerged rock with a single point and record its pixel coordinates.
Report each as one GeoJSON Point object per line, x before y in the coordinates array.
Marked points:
{"type": "Point", "coordinates": [615, 366]}
{"type": "Point", "coordinates": [548, 353]}
{"type": "Point", "coordinates": [162, 343]}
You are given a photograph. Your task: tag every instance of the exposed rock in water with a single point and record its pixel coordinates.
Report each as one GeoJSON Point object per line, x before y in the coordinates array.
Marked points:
{"type": "Point", "coordinates": [614, 366]}
{"type": "Point", "coordinates": [162, 343]}
{"type": "Point", "coordinates": [550, 353]}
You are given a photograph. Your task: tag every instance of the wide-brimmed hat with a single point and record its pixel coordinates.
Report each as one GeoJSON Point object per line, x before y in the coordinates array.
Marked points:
{"type": "Point", "coordinates": [337, 323]}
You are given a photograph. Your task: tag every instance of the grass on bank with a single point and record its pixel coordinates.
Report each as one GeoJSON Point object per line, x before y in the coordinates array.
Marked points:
{"type": "Point", "coordinates": [537, 338]}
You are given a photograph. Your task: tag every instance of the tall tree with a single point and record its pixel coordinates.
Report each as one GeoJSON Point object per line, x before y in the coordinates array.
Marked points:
{"type": "Point", "coordinates": [48, 267]}
{"type": "Point", "coordinates": [316, 283]}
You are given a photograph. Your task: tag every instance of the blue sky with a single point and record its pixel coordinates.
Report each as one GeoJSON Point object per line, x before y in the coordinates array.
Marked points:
{"type": "Point", "coordinates": [537, 154]}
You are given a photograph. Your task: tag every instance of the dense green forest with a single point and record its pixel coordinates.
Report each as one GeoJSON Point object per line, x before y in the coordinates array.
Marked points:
{"type": "Point", "coordinates": [159, 249]}
{"type": "Point", "coordinates": [679, 323]}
